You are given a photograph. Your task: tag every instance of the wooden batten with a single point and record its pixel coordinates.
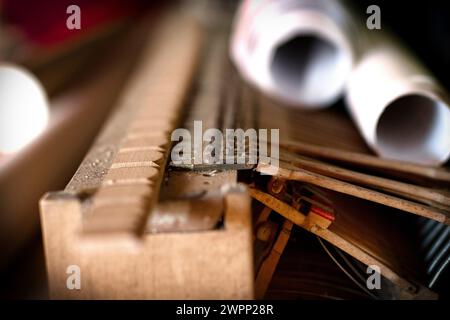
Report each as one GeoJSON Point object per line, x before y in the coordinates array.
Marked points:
{"type": "Point", "coordinates": [100, 222]}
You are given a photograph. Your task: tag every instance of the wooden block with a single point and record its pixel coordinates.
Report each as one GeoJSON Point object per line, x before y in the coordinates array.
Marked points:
{"type": "Point", "coordinates": [113, 217]}
{"type": "Point", "coordinates": [161, 266]}
{"type": "Point", "coordinates": [315, 220]}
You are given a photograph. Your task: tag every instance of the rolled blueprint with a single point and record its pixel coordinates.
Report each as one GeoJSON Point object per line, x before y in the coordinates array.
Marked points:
{"type": "Point", "coordinates": [398, 106]}
{"type": "Point", "coordinates": [297, 51]}
{"type": "Point", "coordinates": [24, 110]}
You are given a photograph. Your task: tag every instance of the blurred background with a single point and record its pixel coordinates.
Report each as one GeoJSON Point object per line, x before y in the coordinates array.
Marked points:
{"type": "Point", "coordinates": [82, 71]}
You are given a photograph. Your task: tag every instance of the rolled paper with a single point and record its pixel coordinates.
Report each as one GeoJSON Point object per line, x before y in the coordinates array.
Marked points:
{"type": "Point", "coordinates": [24, 110]}
{"type": "Point", "coordinates": [297, 51]}
{"type": "Point", "coordinates": [302, 52]}
{"type": "Point", "coordinates": [399, 108]}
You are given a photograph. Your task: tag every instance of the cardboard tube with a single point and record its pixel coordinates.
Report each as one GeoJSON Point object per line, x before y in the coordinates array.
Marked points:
{"type": "Point", "coordinates": [24, 110]}
{"type": "Point", "coordinates": [398, 106]}
{"type": "Point", "coordinates": [302, 52]}
{"type": "Point", "coordinates": [296, 51]}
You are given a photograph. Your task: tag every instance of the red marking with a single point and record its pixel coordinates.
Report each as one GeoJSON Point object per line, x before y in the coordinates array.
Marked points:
{"type": "Point", "coordinates": [323, 213]}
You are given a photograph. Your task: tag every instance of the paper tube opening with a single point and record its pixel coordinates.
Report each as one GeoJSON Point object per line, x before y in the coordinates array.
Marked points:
{"type": "Point", "coordinates": [415, 127]}
{"type": "Point", "coordinates": [310, 68]}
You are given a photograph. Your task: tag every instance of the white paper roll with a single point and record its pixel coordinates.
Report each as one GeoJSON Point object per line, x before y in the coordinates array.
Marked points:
{"type": "Point", "coordinates": [399, 108]}
{"type": "Point", "coordinates": [298, 51]}
{"type": "Point", "coordinates": [24, 108]}
{"type": "Point", "coordinates": [302, 52]}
